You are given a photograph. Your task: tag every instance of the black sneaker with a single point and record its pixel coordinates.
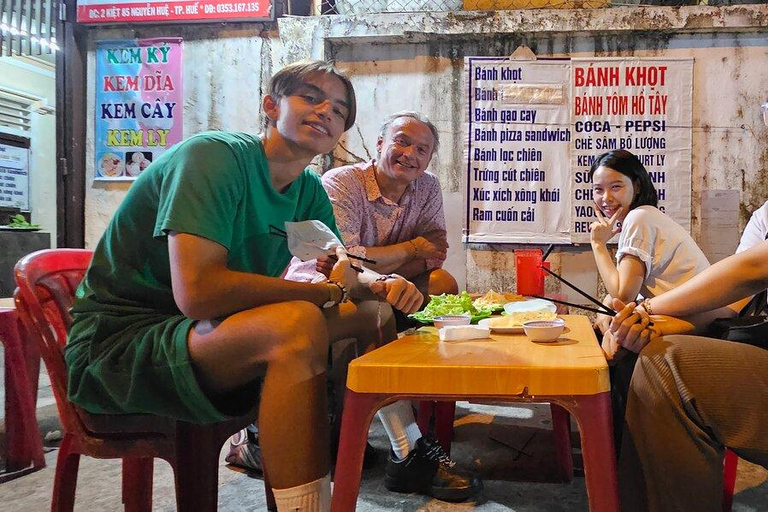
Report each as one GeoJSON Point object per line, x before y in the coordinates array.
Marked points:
{"type": "Point", "coordinates": [429, 470]}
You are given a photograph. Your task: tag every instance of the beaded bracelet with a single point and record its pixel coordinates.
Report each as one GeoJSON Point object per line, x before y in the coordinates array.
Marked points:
{"type": "Point", "coordinates": [344, 292]}
{"type": "Point", "coordinates": [415, 250]}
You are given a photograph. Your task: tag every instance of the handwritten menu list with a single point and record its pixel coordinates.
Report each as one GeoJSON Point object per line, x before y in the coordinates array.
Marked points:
{"type": "Point", "coordinates": [625, 104]}
{"type": "Point", "coordinates": [517, 149]}
{"type": "Point", "coordinates": [535, 127]}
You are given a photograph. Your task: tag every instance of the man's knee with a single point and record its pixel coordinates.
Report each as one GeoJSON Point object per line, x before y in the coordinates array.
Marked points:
{"type": "Point", "coordinates": [302, 331]}
{"type": "Point", "coordinates": [441, 281]}
{"type": "Point", "coordinates": [373, 313]}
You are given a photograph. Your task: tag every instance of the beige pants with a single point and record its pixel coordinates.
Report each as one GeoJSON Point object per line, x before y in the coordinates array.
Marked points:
{"type": "Point", "coordinates": [690, 398]}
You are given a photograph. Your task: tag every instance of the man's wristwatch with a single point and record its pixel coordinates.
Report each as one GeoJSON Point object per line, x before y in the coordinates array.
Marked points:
{"type": "Point", "coordinates": [646, 304]}
{"type": "Point", "coordinates": [336, 294]}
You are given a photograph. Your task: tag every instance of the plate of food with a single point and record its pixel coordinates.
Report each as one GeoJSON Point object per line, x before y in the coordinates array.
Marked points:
{"type": "Point", "coordinates": [517, 313]}
{"type": "Point", "coordinates": [495, 300]}
{"type": "Point", "coordinates": [449, 304]}
{"type": "Point", "coordinates": [501, 324]}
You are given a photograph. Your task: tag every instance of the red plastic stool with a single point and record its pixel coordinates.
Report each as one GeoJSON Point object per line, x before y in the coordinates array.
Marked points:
{"type": "Point", "coordinates": [24, 447]}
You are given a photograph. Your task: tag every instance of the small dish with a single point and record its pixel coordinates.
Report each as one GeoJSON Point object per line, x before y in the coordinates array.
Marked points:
{"type": "Point", "coordinates": [544, 331]}
{"type": "Point", "coordinates": [445, 320]}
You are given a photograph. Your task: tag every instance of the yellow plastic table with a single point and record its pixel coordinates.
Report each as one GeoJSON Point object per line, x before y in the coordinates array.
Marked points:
{"type": "Point", "coordinates": [570, 372]}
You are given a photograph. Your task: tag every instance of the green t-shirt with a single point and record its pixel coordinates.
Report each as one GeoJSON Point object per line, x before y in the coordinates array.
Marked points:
{"type": "Point", "coordinates": [215, 185]}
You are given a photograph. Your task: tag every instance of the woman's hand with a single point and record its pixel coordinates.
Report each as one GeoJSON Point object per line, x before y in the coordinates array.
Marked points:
{"type": "Point", "coordinates": [632, 328]}
{"type": "Point", "coordinates": [610, 346]}
{"type": "Point", "coordinates": [604, 229]}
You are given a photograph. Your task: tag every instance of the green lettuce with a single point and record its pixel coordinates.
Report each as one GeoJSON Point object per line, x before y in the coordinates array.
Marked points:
{"type": "Point", "coordinates": [449, 304]}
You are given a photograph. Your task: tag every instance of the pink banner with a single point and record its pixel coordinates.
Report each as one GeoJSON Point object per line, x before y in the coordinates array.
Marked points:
{"type": "Point", "coordinates": [139, 104]}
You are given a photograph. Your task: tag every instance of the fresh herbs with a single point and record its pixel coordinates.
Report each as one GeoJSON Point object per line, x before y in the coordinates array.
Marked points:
{"type": "Point", "coordinates": [19, 222]}
{"type": "Point", "coordinates": [448, 304]}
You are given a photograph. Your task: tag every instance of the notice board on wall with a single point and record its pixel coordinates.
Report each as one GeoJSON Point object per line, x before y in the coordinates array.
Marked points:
{"type": "Point", "coordinates": [139, 104]}
{"type": "Point", "coordinates": [14, 174]}
{"type": "Point", "coordinates": [533, 129]}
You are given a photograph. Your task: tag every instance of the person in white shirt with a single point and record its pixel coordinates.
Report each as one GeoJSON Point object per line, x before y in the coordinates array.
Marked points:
{"type": "Point", "coordinates": [655, 254]}
{"type": "Point", "coordinates": [691, 397]}
{"type": "Point", "coordinates": [756, 230]}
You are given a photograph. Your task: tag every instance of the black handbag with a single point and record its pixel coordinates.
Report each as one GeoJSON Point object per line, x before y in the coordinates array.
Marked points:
{"type": "Point", "coordinates": [750, 326]}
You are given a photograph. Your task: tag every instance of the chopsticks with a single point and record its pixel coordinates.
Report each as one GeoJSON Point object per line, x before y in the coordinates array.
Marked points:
{"type": "Point", "coordinates": [580, 306]}
{"type": "Point", "coordinates": [604, 310]}
{"type": "Point", "coordinates": [273, 230]}
{"type": "Point", "coordinates": [546, 253]}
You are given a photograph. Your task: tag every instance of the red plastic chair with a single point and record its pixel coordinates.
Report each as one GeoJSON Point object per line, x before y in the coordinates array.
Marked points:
{"type": "Point", "coordinates": [46, 285]}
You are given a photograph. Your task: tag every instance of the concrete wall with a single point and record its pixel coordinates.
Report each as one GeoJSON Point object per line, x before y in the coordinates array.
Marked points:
{"type": "Point", "coordinates": [416, 62]}
{"type": "Point", "coordinates": [37, 78]}
{"type": "Point", "coordinates": [225, 70]}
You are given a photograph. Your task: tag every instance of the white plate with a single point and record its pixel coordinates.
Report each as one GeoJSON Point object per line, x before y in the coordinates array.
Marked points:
{"type": "Point", "coordinates": [486, 322]}
{"type": "Point", "coordinates": [529, 305]}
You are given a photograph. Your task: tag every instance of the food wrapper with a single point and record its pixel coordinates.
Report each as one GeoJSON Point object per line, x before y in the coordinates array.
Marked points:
{"type": "Point", "coordinates": [463, 332]}
{"type": "Point", "coordinates": [310, 239]}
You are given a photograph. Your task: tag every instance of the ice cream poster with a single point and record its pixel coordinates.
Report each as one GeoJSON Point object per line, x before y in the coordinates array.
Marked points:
{"type": "Point", "coordinates": [139, 105]}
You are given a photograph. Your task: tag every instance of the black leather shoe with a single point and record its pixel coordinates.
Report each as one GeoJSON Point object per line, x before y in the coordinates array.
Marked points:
{"type": "Point", "coordinates": [429, 470]}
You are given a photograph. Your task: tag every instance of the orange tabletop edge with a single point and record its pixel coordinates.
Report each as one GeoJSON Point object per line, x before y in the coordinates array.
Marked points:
{"type": "Point", "coordinates": [504, 365]}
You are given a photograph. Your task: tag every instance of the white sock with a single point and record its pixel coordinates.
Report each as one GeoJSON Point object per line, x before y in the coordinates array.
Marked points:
{"type": "Point", "coordinates": [312, 497]}
{"type": "Point", "coordinates": [401, 427]}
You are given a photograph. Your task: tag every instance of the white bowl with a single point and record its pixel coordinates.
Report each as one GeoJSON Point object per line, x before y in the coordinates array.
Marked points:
{"type": "Point", "coordinates": [542, 331]}
{"type": "Point", "coordinates": [443, 320]}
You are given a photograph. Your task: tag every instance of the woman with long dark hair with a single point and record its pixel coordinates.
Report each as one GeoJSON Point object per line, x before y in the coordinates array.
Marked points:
{"type": "Point", "coordinates": [655, 254]}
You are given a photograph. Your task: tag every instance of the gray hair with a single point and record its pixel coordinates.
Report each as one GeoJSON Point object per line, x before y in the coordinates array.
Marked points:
{"type": "Point", "coordinates": [413, 115]}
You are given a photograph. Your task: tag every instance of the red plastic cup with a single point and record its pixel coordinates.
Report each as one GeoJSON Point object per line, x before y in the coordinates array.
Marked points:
{"type": "Point", "coordinates": [530, 278]}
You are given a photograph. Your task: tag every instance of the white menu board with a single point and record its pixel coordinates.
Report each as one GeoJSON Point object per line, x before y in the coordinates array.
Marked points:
{"type": "Point", "coordinates": [533, 129]}
{"type": "Point", "coordinates": [518, 136]}
{"type": "Point", "coordinates": [14, 177]}
{"type": "Point", "coordinates": [643, 106]}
